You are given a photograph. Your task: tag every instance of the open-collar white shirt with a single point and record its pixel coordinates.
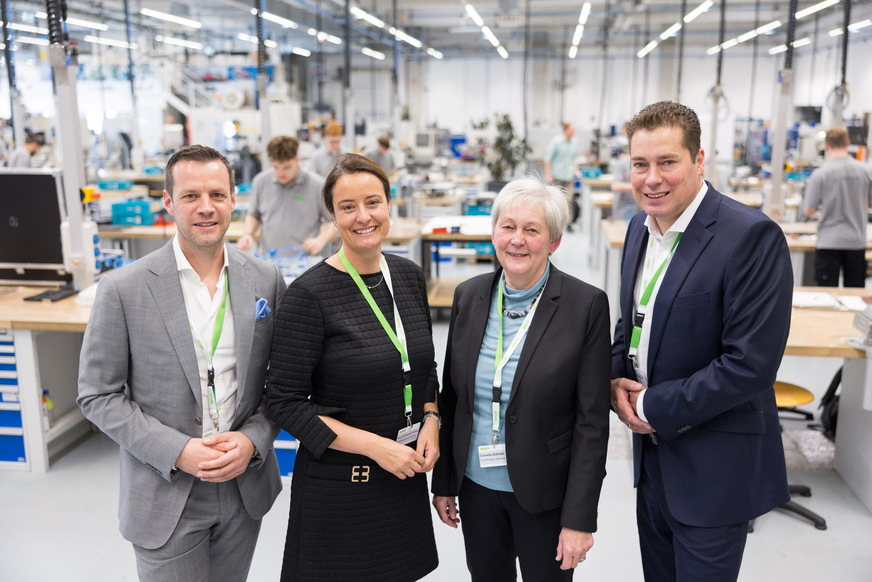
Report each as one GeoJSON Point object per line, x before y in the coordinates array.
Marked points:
{"type": "Point", "coordinates": [657, 250]}
{"type": "Point", "coordinates": [202, 311]}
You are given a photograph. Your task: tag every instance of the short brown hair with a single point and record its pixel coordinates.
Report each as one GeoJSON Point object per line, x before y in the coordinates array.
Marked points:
{"type": "Point", "coordinates": [837, 138]}
{"type": "Point", "coordinates": [199, 154]}
{"type": "Point", "coordinates": [668, 114]}
{"type": "Point", "coordinates": [333, 129]}
{"type": "Point", "coordinates": [352, 164]}
{"type": "Point", "coordinates": [282, 148]}
{"type": "Point", "coordinates": [384, 142]}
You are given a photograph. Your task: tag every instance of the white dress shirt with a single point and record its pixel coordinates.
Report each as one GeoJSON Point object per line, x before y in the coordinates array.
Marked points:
{"type": "Point", "coordinates": [657, 251]}
{"type": "Point", "coordinates": [202, 311]}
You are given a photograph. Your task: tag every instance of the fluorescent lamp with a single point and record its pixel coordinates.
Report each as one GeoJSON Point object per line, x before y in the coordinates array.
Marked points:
{"type": "Point", "coordinates": [747, 36]}
{"type": "Point", "coordinates": [32, 40]}
{"type": "Point", "coordinates": [698, 10]}
{"type": "Point", "coordinates": [474, 15]}
{"type": "Point", "coordinates": [503, 52]}
{"type": "Point", "coordinates": [283, 22]}
{"type": "Point", "coordinates": [852, 27]}
{"type": "Point", "coordinates": [301, 51]}
{"type": "Point", "coordinates": [27, 28]}
{"type": "Point", "coordinates": [108, 41]}
{"type": "Point", "coordinates": [573, 50]}
{"type": "Point", "coordinates": [361, 14]}
{"type": "Point", "coordinates": [648, 48]}
{"type": "Point", "coordinates": [796, 44]}
{"type": "Point", "coordinates": [434, 53]}
{"type": "Point", "coordinates": [801, 42]}
{"type": "Point", "coordinates": [253, 40]}
{"type": "Point", "coordinates": [374, 54]}
{"type": "Point", "coordinates": [816, 8]}
{"type": "Point", "coordinates": [585, 12]}
{"type": "Point", "coordinates": [730, 43]}
{"type": "Point", "coordinates": [713, 50]}
{"type": "Point", "coordinates": [405, 37]}
{"type": "Point", "coordinates": [579, 32]}
{"type": "Point", "coordinates": [179, 42]}
{"type": "Point", "coordinates": [670, 31]}
{"type": "Point", "coordinates": [170, 18]}
{"type": "Point", "coordinates": [76, 22]}
{"type": "Point", "coordinates": [769, 27]}
{"type": "Point", "coordinates": [490, 36]}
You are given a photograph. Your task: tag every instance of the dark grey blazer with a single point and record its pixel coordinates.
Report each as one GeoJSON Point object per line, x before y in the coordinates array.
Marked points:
{"type": "Point", "coordinates": [139, 383]}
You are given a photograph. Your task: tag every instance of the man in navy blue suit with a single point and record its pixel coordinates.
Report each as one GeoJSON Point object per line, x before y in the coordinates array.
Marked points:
{"type": "Point", "coordinates": [706, 287]}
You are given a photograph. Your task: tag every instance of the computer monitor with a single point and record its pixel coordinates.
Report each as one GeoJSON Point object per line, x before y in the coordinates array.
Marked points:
{"type": "Point", "coordinates": [32, 208]}
{"type": "Point", "coordinates": [810, 114]}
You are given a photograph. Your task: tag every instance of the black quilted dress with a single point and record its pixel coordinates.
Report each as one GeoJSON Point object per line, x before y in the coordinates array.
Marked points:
{"type": "Point", "coordinates": [350, 519]}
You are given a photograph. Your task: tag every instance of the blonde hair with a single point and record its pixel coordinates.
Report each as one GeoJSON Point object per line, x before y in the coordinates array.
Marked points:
{"type": "Point", "coordinates": [333, 129]}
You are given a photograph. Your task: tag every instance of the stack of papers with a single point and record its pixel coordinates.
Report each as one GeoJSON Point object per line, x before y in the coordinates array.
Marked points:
{"type": "Point", "coordinates": [822, 300]}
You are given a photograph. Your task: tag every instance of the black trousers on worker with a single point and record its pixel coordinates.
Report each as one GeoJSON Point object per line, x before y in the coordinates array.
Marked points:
{"type": "Point", "coordinates": [829, 263]}
{"type": "Point", "coordinates": [497, 531]}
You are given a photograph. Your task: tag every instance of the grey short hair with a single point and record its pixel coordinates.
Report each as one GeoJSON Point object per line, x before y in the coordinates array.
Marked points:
{"type": "Point", "coordinates": [532, 190]}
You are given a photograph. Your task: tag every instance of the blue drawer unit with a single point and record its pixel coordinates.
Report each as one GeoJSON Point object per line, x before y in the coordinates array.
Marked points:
{"type": "Point", "coordinates": [286, 452]}
{"type": "Point", "coordinates": [10, 415]}
{"type": "Point", "coordinates": [11, 448]}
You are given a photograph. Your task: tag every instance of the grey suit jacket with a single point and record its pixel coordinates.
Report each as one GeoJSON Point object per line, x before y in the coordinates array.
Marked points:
{"type": "Point", "coordinates": [139, 383]}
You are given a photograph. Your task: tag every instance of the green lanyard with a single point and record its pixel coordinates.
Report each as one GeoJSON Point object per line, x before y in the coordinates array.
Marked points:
{"type": "Point", "coordinates": [210, 356]}
{"type": "Point", "coordinates": [639, 317]}
{"type": "Point", "coordinates": [399, 341]}
{"type": "Point", "coordinates": [502, 359]}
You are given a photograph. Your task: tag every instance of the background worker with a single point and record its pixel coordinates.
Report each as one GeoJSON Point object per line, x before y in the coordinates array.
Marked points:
{"type": "Point", "coordinates": [842, 187]}
{"type": "Point", "coordinates": [325, 157]}
{"type": "Point", "coordinates": [624, 204]}
{"type": "Point", "coordinates": [285, 204]}
{"type": "Point", "coordinates": [560, 167]}
{"type": "Point", "coordinates": [21, 156]}
{"type": "Point", "coordinates": [381, 155]}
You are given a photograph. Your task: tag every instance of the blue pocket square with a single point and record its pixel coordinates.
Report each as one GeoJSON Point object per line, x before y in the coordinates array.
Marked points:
{"type": "Point", "coordinates": [261, 309]}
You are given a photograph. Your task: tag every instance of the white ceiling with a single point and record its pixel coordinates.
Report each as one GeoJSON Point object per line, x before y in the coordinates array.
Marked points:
{"type": "Point", "coordinates": [620, 26]}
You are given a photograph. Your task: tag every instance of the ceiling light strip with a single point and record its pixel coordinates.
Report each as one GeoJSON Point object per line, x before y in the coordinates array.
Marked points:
{"type": "Point", "coordinates": [579, 30]}
{"type": "Point", "coordinates": [170, 18]}
{"type": "Point", "coordinates": [672, 30]}
{"type": "Point", "coordinates": [776, 24]}
{"type": "Point", "coordinates": [487, 32]}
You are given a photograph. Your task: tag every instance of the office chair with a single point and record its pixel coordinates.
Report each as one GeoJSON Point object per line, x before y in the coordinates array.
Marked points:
{"type": "Point", "coordinates": [787, 398]}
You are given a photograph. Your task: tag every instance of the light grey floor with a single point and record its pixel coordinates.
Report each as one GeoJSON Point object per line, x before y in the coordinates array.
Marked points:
{"type": "Point", "coordinates": [63, 525]}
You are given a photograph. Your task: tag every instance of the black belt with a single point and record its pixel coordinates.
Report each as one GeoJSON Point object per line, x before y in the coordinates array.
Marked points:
{"type": "Point", "coordinates": [361, 474]}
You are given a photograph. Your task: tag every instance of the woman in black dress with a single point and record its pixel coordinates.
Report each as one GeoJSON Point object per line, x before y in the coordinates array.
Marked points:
{"type": "Point", "coordinates": [353, 378]}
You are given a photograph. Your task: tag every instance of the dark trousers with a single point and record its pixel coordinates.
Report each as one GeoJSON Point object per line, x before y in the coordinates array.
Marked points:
{"type": "Point", "coordinates": [497, 531]}
{"type": "Point", "coordinates": [676, 552]}
{"type": "Point", "coordinates": [828, 263]}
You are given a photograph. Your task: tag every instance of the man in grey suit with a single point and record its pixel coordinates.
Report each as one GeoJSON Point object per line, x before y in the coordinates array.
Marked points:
{"type": "Point", "coordinates": [173, 368]}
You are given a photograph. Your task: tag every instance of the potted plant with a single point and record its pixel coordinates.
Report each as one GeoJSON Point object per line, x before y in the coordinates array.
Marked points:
{"type": "Point", "coordinates": [505, 154]}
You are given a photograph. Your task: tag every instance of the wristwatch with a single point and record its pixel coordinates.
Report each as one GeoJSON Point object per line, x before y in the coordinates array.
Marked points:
{"type": "Point", "coordinates": [434, 415]}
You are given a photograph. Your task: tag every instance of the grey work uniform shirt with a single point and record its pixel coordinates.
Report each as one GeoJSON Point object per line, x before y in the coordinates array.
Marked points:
{"type": "Point", "coordinates": [289, 213]}
{"type": "Point", "coordinates": [843, 188]}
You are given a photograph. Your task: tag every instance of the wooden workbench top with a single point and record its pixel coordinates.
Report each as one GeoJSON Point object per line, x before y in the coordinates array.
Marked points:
{"type": "Point", "coordinates": [63, 315]}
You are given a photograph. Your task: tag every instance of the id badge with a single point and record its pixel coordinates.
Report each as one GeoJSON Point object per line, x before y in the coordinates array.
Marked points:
{"type": "Point", "coordinates": [492, 455]}
{"type": "Point", "coordinates": [408, 434]}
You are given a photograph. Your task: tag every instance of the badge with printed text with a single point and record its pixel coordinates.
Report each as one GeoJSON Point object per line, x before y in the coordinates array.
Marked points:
{"type": "Point", "coordinates": [492, 455]}
{"type": "Point", "coordinates": [408, 434]}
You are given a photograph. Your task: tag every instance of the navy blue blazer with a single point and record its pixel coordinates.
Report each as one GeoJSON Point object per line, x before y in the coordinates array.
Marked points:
{"type": "Point", "coordinates": [719, 327]}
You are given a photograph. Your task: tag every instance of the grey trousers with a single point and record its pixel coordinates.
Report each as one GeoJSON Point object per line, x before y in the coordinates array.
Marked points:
{"type": "Point", "coordinates": [214, 540]}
